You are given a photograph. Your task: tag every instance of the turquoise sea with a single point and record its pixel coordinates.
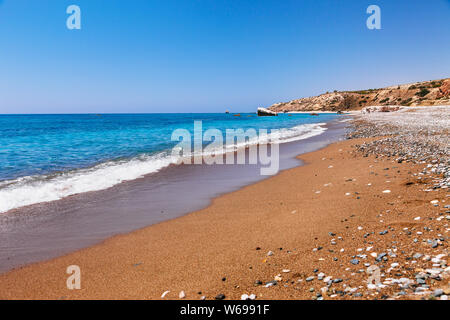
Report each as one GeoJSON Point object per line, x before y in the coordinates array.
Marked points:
{"type": "Point", "coordinates": [49, 157]}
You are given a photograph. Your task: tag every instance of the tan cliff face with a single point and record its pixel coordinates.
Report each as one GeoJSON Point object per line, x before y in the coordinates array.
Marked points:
{"type": "Point", "coordinates": [427, 93]}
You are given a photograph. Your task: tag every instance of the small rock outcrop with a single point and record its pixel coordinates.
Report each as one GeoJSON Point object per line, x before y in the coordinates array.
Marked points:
{"type": "Point", "coordinates": [263, 112]}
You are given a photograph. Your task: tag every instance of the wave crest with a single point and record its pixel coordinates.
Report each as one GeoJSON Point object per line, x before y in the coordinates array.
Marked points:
{"type": "Point", "coordinates": [30, 190]}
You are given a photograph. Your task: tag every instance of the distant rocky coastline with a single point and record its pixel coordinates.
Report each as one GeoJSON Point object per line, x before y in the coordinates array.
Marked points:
{"type": "Point", "coordinates": [427, 93]}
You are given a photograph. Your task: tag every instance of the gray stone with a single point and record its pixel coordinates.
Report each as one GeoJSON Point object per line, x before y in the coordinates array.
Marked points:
{"type": "Point", "coordinates": [380, 256]}
{"type": "Point", "coordinates": [438, 292]}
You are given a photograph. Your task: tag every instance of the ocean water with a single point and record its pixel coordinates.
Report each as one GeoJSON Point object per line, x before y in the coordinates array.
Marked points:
{"type": "Point", "coordinates": [48, 157]}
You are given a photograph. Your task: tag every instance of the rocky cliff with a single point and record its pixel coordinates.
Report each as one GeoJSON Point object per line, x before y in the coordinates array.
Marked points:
{"type": "Point", "coordinates": [427, 93]}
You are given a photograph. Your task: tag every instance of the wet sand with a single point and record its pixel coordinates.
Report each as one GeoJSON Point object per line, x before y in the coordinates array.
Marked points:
{"type": "Point", "coordinates": [48, 230]}
{"type": "Point", "coordinates": [223, 249]}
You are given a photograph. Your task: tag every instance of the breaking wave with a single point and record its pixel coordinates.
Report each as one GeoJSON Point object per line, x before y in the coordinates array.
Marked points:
{"type": "Point", "coordinates": [30, 190]}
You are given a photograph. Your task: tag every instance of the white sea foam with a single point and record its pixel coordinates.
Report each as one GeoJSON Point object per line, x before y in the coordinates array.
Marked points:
{"type": "Point", "coordinates": [29, 190]}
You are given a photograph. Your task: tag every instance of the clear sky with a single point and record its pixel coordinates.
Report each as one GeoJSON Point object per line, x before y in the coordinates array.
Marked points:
{"type": "Point", "coordinates": [210, 55]}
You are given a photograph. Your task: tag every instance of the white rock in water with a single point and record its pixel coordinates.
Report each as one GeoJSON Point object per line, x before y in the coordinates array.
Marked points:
{"type": "Point", "coordinates": [286, 270]}
{"type": "Point", "coordinates": [394, 265]}
{"type": "Point", "coordinates": [417, 218]}
{"type": "Point", "coordinates": [164, 294]}
{"type": "Point", "coordinates": [387, 191]}
{"type": "Point", "coordinates": [434, 201]}
{"type": "Point", "coordinates": [360, 228]}
{"type": "Point", "coordinates": [252, 296]}
{"type": "Point", "coordinates": [182, 295]}
{"type": "Point", "coordinates": [265, 112]}
{"type": "Point", "coordinates": [270, 253]}
{"type": "Point", "coordinates": [374, 254]}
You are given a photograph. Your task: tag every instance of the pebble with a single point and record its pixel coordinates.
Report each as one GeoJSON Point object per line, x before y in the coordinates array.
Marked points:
{"type": "Point", "coordinates": [438, 292]}
{"type": "Point", "coordinates": [182, 295]}
{"type": "Point", "coordinates": [220, 296]}
{"type": "Point", "coordinates": [354, 261]}
{"type": "Point", "coordinates": [380, 256]}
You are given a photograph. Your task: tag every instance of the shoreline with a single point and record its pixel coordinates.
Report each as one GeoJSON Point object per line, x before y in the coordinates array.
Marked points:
{"type": "Point", "coordinates": [195, 253]}
{"type": "Point", "coordinates": [309, 232]}
{"type": "Point", "coordinates": [48, 230]}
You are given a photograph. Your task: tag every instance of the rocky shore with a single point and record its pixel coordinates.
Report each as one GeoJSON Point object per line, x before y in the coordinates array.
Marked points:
{"type": "Point", "coordinates": [420, 136]}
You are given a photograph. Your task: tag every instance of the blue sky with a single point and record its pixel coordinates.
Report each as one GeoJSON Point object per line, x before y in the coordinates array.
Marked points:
{"type": "Point", "coordinates": [210, 55]}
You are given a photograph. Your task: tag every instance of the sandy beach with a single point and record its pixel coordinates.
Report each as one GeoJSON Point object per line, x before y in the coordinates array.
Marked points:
{"type": "Point", "coordinates": [309, 232]}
